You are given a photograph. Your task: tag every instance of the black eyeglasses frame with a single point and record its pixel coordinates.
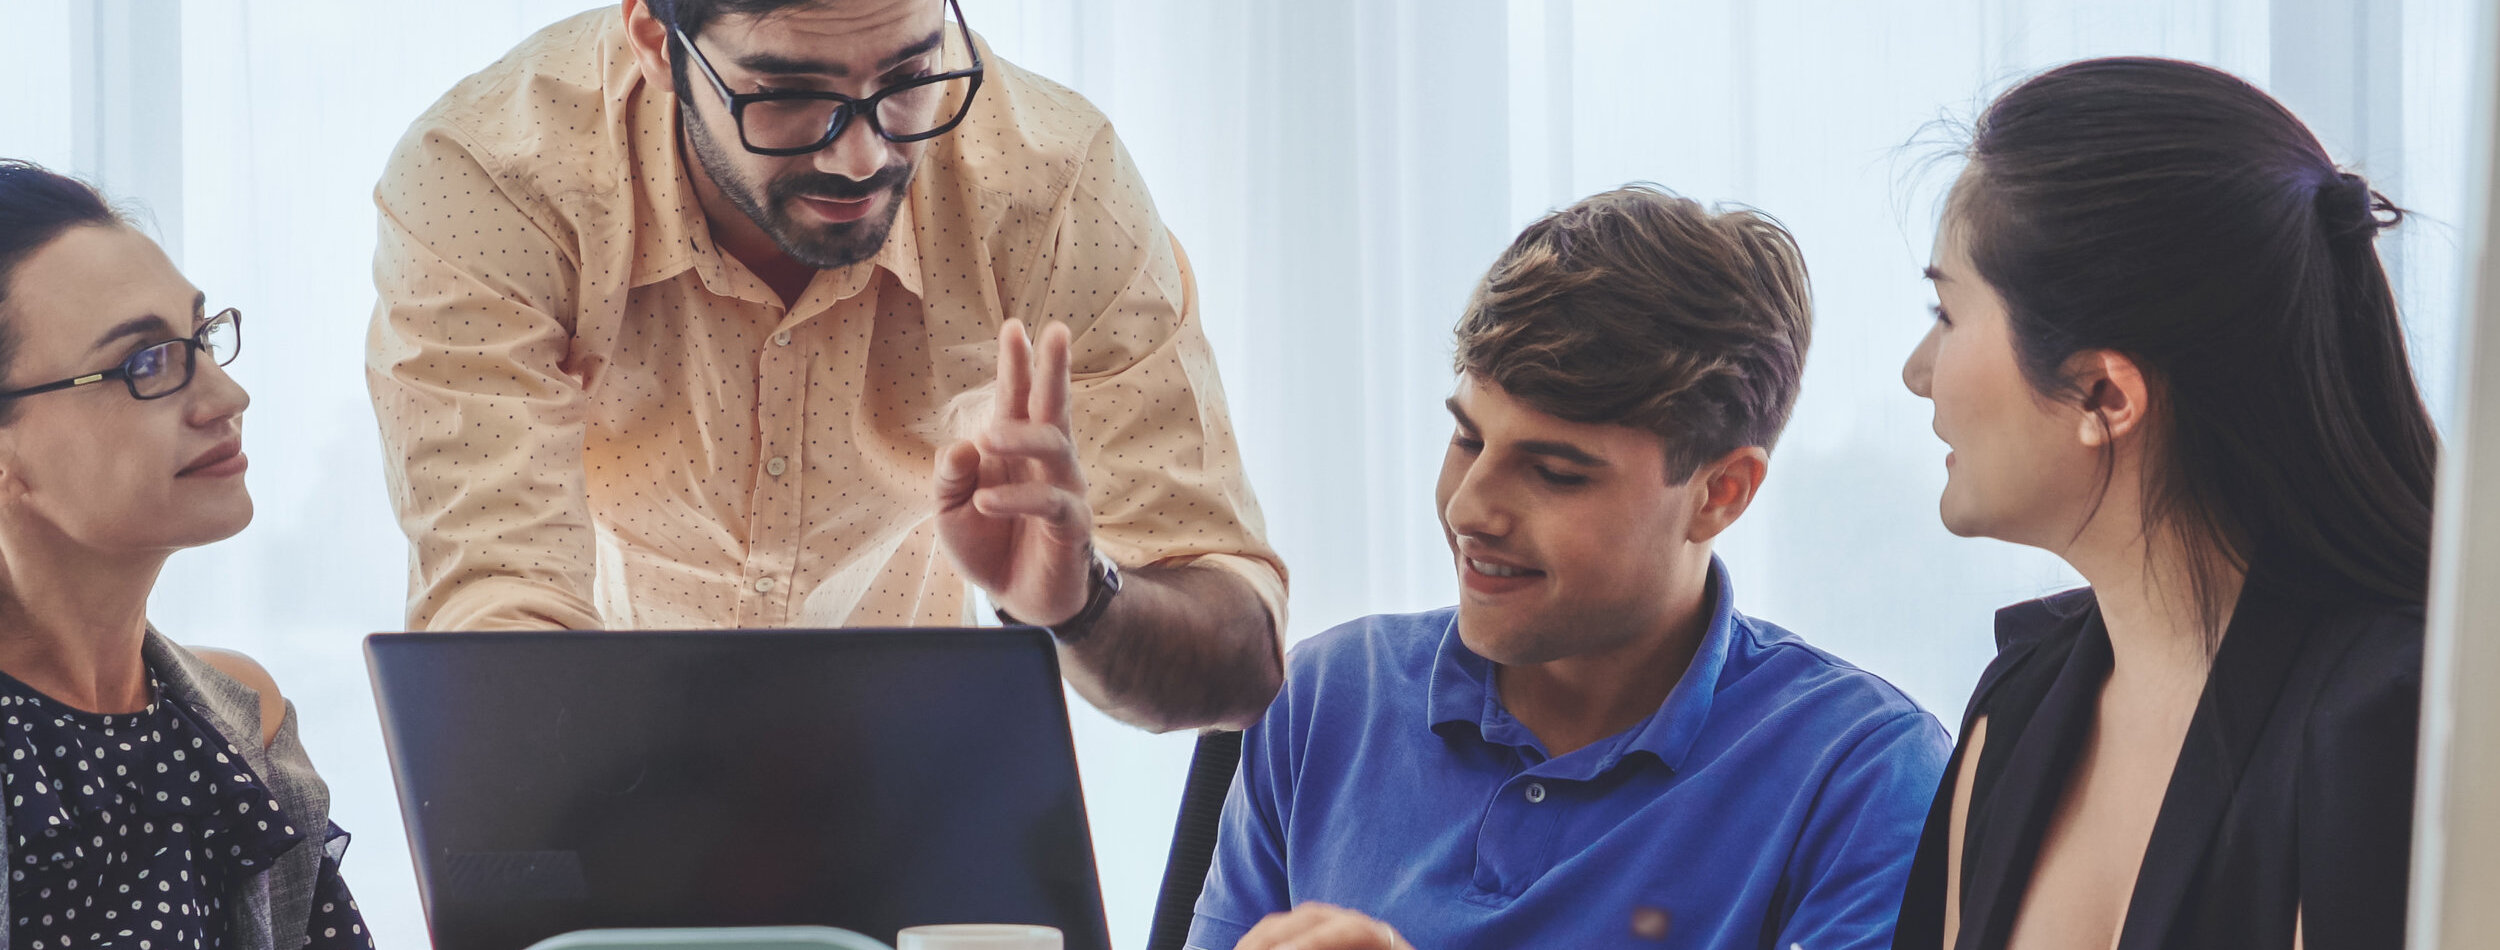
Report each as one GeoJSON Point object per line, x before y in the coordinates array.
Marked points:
{"type": "Point", "coordinates": [191, 347]}
{"type": "Point", "coordinates": [846, 106]}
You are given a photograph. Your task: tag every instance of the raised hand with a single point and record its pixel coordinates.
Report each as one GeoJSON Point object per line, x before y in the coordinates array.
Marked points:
{"type": "Point", "coordinates": [1011, 500]}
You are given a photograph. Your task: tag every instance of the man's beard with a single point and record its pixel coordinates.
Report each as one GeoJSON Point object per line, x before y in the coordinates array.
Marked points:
{"type": "Point", "coordinates": [834, 244]}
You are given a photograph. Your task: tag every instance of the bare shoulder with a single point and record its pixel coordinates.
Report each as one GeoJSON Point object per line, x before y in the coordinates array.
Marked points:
{"type": "Point", "coordinates": [250, 673]}
{"type": "Point", "coordinates": [1958, 825]}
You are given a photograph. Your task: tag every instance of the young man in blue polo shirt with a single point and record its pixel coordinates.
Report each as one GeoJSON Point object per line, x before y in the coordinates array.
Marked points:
{"type": "Point", "coordinates": [1594, 748]}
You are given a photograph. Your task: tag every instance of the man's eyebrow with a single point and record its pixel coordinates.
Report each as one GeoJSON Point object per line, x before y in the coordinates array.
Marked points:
{"type": "Point", "coordinates": [1935, 275]}
{"type": "Point", "coordinates": [905, 54]}
{"type": "Point", "coordinates": [1562, 450]}
{"type": "Point", "coordinates": [1545, 447]}
{"type": "Point", "coordinates": [775, 64]}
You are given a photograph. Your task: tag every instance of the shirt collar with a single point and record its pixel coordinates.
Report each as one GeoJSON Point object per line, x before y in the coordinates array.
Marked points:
{"type": "Point", "coordinates": [669, 230]}
{"type": "Point", "coordinates": [1462, 692]}
{"type": "Point", "coordinates": [900, 255]}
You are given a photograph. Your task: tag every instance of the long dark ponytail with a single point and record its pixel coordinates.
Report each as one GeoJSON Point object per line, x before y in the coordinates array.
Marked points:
{"type": "Point", "coordinates": [2175, 214]}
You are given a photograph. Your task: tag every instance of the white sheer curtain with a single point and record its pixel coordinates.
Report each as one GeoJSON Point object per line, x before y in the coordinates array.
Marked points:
{"type": "Point", "coordinates": [1341, 173]}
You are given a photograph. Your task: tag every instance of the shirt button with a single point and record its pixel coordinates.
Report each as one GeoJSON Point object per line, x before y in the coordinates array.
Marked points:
{"type": "Point", "coordinates": [763, 585]}
{"type": "Point", "coordinates": [1536, 792]}
{"type": "Point", "coordinates": [776, 465]}
{"type": "Point", "coordinates": [782, 338]}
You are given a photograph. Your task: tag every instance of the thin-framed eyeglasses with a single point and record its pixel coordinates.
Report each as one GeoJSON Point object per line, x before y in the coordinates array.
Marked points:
{"type": "Point", "coordinates": [786, 122]}
{"type": "Point", "coordinates": [163, 369]}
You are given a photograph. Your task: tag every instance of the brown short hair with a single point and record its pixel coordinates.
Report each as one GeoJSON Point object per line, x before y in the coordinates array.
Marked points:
{"type": "Point", "coordinates": [1642, 308]}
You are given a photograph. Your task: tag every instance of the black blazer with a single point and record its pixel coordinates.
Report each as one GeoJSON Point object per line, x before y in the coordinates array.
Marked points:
{"type": "Point", "coordinates": [2294, 788]}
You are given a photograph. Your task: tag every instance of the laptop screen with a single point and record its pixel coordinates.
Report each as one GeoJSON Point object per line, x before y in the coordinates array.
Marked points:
{"type": "Point", "coordinates": [864, 779]}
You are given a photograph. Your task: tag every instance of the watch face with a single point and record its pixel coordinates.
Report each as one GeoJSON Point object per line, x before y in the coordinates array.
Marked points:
{"type": "Point", "coordinates": [1108, 570]}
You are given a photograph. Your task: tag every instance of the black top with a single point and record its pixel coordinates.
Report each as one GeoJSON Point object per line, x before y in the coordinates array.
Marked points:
{"type": "Point", "coordinates": [2293, 790]}
{"type": "Point", "coordinates": [136, 830]}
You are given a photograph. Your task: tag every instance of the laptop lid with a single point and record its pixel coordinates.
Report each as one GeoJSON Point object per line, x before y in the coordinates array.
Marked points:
{"type": "Point", "coordinates": [864, 779]}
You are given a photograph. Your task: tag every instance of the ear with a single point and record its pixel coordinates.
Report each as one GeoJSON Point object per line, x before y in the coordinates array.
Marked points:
{"type": "Point", "coordinates": [2115, 396]}
{"type": "Point", "coordinates": [648, 37]}
{"type": "Point", "coordinates": [1725, 487]}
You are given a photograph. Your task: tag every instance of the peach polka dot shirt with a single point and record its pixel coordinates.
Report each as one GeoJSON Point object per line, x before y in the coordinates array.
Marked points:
{"type": "Point", "coordinates": [593, 418]}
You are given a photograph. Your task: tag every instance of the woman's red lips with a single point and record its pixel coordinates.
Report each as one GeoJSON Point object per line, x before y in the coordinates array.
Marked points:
{"type": "Point", "coordinates": [225, 458]}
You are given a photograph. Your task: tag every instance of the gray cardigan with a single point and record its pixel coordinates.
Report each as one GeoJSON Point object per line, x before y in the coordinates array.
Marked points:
{"type": "Point", "coordinates": [278, 900]}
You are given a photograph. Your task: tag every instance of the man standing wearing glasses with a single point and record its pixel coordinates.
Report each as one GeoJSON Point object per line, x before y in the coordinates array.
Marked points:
{"type": "Point", "coordinates": [712, 315]}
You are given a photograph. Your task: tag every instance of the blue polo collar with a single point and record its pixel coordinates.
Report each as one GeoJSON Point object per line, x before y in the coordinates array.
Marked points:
{"type": "Point", "coordinates": [1463, 695]}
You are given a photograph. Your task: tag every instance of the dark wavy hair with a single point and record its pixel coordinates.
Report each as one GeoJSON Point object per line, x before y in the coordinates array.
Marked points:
{"type": "Point", "coordinates": [1642, 308]}
{"type": "Point", "coordinates": [35, 207]}
{"type": "Point", "coordinates": [2174, 214]}
{"type": "Point", "coordinates": [693, 15]}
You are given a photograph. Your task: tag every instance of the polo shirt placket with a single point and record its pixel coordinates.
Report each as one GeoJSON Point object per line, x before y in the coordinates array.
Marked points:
{"type": "Point", "coordinates": [1515, 845]}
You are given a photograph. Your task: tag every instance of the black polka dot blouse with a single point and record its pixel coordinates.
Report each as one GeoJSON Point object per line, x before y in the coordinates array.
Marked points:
{"type": "Point", "coordinates": [134, 831]}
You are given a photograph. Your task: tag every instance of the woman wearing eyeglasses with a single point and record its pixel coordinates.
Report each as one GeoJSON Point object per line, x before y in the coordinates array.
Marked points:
{"type": "Point", "coordinates": [155, 797]}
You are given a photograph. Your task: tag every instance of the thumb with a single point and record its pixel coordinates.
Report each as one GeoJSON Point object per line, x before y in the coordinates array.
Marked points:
{"type": "Point", "coordinates": [958, 475]}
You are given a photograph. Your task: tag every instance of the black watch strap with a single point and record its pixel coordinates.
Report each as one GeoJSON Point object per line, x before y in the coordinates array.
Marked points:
{"type": "Point", "coordinates": [1102, 582]}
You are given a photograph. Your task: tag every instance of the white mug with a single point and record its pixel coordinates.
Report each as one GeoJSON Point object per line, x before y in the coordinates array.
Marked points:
{"type": "Point", "coordinates": [978, 937]}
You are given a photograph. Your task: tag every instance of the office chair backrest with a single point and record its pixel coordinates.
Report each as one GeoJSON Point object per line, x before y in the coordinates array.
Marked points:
{"type": "Point", "coordinates": [1193, 838]}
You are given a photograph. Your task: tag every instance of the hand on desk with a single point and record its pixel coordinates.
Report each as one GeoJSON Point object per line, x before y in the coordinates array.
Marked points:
{"type": "Point", "coordinates": [1316, 926]}
{"type": "Point", "coordinates": [1011, 500]}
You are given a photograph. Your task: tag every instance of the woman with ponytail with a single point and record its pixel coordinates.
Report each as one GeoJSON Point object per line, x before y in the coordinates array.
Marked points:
{"type": "Point", "coordinates": [2165, 349]}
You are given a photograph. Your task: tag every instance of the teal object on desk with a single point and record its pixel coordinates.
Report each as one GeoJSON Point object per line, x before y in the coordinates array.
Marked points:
{"type": "Point", "coordinates": [713, 938]}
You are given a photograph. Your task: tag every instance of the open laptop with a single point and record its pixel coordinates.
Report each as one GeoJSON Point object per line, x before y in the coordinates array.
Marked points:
{"type": "Point", "coordinates": [864, 779]}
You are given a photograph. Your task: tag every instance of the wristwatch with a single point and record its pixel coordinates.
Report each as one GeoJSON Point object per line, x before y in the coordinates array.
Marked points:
{"type": "Point", "coordinates": [1102, 582]}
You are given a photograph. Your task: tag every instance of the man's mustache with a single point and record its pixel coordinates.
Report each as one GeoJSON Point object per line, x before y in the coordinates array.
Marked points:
{"type": "Point", "coordinates": [838, 188]}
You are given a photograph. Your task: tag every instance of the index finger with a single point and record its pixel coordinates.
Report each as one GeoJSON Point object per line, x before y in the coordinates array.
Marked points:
{"type": "Point", "coordinates": [1015, 371]}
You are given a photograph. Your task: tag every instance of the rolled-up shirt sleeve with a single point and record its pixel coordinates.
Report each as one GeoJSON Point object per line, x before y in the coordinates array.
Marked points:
{"type": "Point", "coordinates": [1163, 471]}
{"type": "Point", "coordinates": [482, 423]}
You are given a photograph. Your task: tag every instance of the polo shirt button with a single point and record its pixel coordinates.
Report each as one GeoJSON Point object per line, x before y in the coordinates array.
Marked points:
{"type": "Point", "coordinates": [782, 338]}
{"type": "Point", "coordinates": [776, 465]}
{"type": "Point", "coordinates": [1536, 792]}
{"type": "Point", "coordinates": [763, 585]}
